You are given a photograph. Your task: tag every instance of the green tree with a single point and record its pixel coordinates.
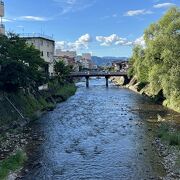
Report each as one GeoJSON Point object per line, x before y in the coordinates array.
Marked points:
{"type": "Point", "coordinates": [160, 64]}
{"type": "Point", "coordinates": [138, 65]}
{"type": "Point", "coordinates": [21, 64]}
{"type": "Point", "coordinates": [62, 71]}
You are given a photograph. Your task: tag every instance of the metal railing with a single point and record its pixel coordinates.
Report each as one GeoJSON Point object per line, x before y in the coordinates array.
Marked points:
{"type": "Point", "coordinates": [36, 35]}
{"type": "Point", "coordinates": [89, 73]}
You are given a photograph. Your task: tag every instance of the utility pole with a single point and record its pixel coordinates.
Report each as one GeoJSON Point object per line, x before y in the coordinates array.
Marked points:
{"type": "Point", "coordinates": [2, 27]}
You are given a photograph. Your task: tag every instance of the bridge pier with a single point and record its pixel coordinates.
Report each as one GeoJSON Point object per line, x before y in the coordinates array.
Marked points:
{"type": "Point", "coordinates": [126, 80]}
{"type": "Point", "coordinates": [107, 75]}
{"type": "Point", "coordinates": [87, 81]}
{"type": "Point", "coordinates": [107, 82]}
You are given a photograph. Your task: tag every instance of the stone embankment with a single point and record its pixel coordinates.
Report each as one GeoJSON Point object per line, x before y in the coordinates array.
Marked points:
{"type": "Point", "coordinates": [145, 89]}
{"type": "Point", "coordinates": [18, 111]}
{"type": "Point", "coordinates": [171, 161]}
{"type": "Point", "coordinates": [133, 84]}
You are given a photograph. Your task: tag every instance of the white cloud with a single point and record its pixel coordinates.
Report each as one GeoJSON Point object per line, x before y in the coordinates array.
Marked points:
{"type": "Point", "coordinates": [7, 20]}
{"type": "Point", "coordinates": [67, 6]}
{"type": "Point", "coordinates": [31, 18]}
{"type": "Point", "coordinates": [140, 41]}
{"type": "Point", "coordinates": [137, 12]}
{"type": "Point", "coordinates": [61, 45]}
{"type": "Point", "coordinates": [163, 5]}
{"type": "Point", "coordinates": [26, 18]}
{"type": "Point", "coordinates": [113, 39]}
{"type": "Point", "coordinates": [84, 39]}
{"type": "Point", "coordinates": [81, 43]}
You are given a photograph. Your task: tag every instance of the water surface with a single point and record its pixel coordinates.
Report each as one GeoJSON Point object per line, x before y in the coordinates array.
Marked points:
{"type": "Point", "coordinates": [99, 133]}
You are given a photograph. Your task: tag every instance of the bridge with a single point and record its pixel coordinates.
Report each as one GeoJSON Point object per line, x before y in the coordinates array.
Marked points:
{"type": "Point", "coordinates": [107, 75]}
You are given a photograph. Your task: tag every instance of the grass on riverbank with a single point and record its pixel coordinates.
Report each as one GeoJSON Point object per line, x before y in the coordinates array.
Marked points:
{"type": "Point", "coordinates": [29, 104]}
{"type": "Point", "coordinates": [61, 92]}
{"type": "Point", "coordinates": [172, 137]}
{"type": "Point", "coordinates": [66, 91]}
{"type": "Point", "coordinates": [12, 164]}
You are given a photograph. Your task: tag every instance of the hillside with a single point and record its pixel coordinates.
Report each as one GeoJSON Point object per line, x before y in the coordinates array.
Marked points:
{"type": "Point", "coordinates": [106, 60]}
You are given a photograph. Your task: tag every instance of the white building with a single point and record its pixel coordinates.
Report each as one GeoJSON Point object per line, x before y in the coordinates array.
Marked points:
{"type": "Point", "coordinates": [68, 57]}
{"type": "Point", "coordinates": [46, 46]}
{"type": "Point", "coordinates": [78, 58]}
{"type": "Point", "coordinates": [86, 61]}
{"type": "Point", "coordinates": [2, 27]}
{"type": "Point", "coordinates": [86, 56]}
{"type": "Point", "coordinates": [70, 54]}
{"type": "Point", "coordinates": [68, 61]}
{"type": "Point", "coordinates": [64, 59]}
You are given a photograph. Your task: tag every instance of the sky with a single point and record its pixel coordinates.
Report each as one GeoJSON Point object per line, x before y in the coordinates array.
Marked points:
{"type": "Point", "coordinates": [101, 27]}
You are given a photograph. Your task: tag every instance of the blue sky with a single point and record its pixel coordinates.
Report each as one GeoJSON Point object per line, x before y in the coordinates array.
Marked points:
{"type": "Point", "coordinates": [102, 27]}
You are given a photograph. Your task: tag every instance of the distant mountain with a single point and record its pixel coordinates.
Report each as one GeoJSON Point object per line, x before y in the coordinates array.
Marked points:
{"type": "Point", "coordinates": [106, 60]}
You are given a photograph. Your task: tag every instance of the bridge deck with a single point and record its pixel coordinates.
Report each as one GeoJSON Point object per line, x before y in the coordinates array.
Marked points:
{"type": "Point", "coordinates": [98, 74]}
{"type": "Point", "coordinates": [107, 75]}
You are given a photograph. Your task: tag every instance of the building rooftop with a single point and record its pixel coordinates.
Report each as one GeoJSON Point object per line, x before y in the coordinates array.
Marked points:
{"type": "Point", "coordinates": [36, 35]}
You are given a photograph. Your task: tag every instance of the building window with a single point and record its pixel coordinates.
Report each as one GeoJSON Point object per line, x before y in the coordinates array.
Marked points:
{"type": "Point", "coordinates": [48, 54]}
{"type": "Point", "coordinates": [41, 42]}
{"type": "Point", "coordinates": [42, 54]}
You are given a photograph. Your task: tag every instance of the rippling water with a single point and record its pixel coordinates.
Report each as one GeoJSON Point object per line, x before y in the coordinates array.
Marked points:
{"type": "Point", "coordinates": [100, 133]}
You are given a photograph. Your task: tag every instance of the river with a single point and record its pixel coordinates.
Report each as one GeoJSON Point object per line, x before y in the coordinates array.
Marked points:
{"type": "Point", "coordinates": [99, 133]}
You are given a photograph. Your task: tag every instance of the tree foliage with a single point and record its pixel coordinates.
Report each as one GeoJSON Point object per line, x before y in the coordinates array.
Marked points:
{"type": "Point", "coordinates": [21, 65]}
{"type": "Point", "coordinates": [62, 71]}
{"type": "Point", "coordinates": [159, 62]}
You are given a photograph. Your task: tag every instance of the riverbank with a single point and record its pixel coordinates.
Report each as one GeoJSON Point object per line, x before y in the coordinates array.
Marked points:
{"type": "Point", "coordinates": [167, 141]}
{"type": "Point", "coordinates": [144, 89]}
{"type": "Point", "coordinates": [167, 144]}
{"type": "Point", "coordinates": [17, 111]}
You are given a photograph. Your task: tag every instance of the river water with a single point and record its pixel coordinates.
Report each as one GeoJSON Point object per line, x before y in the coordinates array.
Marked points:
{"type": "Point", "coordinates": [99, 133]}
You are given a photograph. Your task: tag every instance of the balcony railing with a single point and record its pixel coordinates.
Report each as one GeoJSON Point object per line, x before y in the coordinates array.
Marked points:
{"type": "Point", "coordinates": [26, 35]}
